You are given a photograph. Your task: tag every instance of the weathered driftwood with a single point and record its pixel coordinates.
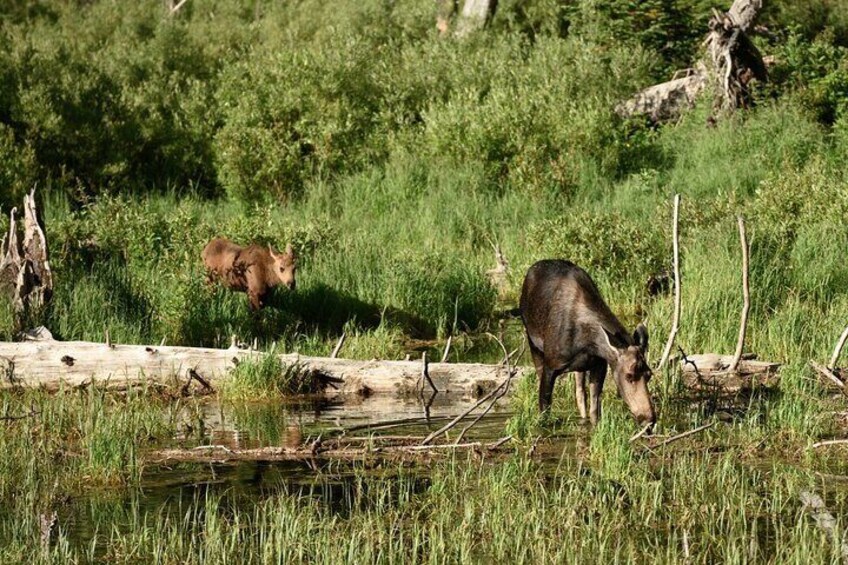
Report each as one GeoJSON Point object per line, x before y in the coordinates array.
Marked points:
{"type": "Point", "coordinates": [50, 363]}
{"type": "Point", "coordinates": [712, 371]}
{"type": "Point", "coordinates": [730, 63]}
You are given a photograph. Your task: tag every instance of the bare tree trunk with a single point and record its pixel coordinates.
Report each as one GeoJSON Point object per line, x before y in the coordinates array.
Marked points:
{"type": "Point", "coordinates": [25, 274]}
{"type": "Point", "coordinates": [474, 15]}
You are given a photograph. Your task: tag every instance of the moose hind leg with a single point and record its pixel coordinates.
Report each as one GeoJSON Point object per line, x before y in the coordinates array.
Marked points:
{"type": "Point", "coordinates": [546, 389]}
{"type": "Point", "coordinates": [596, 387]}
{"type": "Point", "coordinates": [580, 392]}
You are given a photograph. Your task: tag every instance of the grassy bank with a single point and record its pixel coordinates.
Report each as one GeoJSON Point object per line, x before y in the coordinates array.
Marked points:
{"type": "Point", "coordinates": [393, 159]}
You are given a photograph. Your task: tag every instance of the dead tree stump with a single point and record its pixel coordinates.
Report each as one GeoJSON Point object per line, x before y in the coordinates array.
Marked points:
{"type": "Point", "coordinates": [25, 274]}
{"type": "Point", "coordinates": [730, 63]}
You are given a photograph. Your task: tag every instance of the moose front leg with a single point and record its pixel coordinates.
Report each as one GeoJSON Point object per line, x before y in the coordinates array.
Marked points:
{"type": "Point", "coordinates": [596, 387]}
{"type": "Point", "coordinates": [257, 300]}
{"type": "Point", "coordinates": [580, 392]}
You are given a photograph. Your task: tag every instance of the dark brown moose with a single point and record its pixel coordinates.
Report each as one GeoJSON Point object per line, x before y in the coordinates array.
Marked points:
{"type": "Point", "coordinates": [253, 269]}
{"type": "Point", "coordinates": [571, 329]}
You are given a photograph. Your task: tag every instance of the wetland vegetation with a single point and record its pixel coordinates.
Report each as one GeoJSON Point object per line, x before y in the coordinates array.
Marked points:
{"type": "Point", "coordinates": [393, 159]}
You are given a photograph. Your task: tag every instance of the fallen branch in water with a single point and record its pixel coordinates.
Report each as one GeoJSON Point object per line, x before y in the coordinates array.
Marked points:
{"type": "Point", "coordinates": [684, 435]}
{"type": "Point", "coordinates": [504, 389]}
{"type": "Point", "coordinates": [336, 448]}
{"type": "Point", "coordinates": [499, 391]}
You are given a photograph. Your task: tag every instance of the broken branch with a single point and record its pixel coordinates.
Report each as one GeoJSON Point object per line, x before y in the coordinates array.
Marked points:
{"type": "Point", "coordinates": [838, 349]}
{"type": "Point", "coordinates": [675, 323]}
{"type": "Point", "coordinates": [746, 296]}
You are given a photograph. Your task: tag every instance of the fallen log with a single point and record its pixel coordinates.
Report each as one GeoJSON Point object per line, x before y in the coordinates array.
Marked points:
{"type": "Point", "coordinates": [340, 449]}
{"type": "Point", "coordinates": [713, 371]}
{"type": "Point", "coordinates": [49, 363]}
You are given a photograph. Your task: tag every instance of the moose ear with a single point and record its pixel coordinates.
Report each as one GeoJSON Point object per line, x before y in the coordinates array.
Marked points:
{"type": "Point", "coordinates": [271, 251]}
{"type": "Point", "coordinates": [289, 250]}
{"type": "Point", "coordinates": [612, 340]}
{"type": "Point", "coordinates": [640, 337]}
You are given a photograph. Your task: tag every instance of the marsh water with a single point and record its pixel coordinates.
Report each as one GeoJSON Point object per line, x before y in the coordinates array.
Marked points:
{"type": "Point", "coordinates": [175, 491]}
{"type": "Point", "coordinates": [172, 490]}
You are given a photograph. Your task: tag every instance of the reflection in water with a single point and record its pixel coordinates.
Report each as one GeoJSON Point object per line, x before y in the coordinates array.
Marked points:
{"type": "Point", "coordinates": [171, 491]}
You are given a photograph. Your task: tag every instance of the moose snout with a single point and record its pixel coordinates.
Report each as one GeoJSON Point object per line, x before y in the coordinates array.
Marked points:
{"type": "Point", "coordinates": [647, 418]}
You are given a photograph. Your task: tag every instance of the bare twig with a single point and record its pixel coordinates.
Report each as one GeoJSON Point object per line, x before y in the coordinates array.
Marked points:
{"type": "Point", "coordinates": [425, 373]}
{"type": "Point", "coordinates": [641, 432]}
{"type": "Point", "coordinates": [675, 324]}
{"type": "Point", "coordinates": [838, 349]}
{"type": "Point", "coordinates": [687, 361]}
{"type": "Point", "coordinates": [504, 387]}
{"type": "Point", "coordinates": [338, 346]}
{"type": "Point", "coordinates": [447, 349]}
{"type": "Point", "coordinates": [830, 442]}
{"type": "Point", "coordinates": [500, 442]}
{"type": "Point", "coordinates": [193, 374]}
{"type": "Point", "coordinates": [214, 447]}
{"type": "Point", "coordinates": [746, 295]}
{"type": "Point", "coordinates": [393, 423]}
{"type": "Point", "coordinates": [685, 434]}
{"type": "Point", "coordinates": [459, 418]}
{"type": "Point", "coordinates": [177, 7]}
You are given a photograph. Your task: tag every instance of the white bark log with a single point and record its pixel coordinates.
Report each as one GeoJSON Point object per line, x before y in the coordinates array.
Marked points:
{"type": "Point", "coordinates": [50, 364]}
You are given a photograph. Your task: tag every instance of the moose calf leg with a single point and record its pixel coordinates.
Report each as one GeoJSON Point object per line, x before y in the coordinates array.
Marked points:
{"type": "Point", "coordinates": [580, 392]}
{"type": "Point", "coordinates": [596, 387]}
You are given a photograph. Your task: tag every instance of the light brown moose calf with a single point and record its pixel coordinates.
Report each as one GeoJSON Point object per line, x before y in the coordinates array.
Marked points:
{"type": "Point", "coordinates": [253, 269]}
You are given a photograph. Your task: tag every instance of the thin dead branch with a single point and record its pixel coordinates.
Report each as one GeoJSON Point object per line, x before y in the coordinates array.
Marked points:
{"type": "Point", "coordinates": [447, 349]}
{"type": "Point", "coordinates": [641, 432]}
{"type": "Point", "coordinates": [504, 388]}
{"type": "Point", "coordinates": [838, 349]}
{"type": "Point", "coordinates": [675, 323]}
{"type": "Point", "coordinates": [830, 442]}
{"type": "Point", "coordinates": [746, 296]}
{"type": "Point", "coordinates": [338, 346]}
{"type": "Point", "coordinates": [684, 435]}
{"type": "Point", "coordinates": [425, 374]}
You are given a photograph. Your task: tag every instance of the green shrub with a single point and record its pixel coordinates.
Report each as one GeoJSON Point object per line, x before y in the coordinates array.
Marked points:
{"type": "Point", "coordinates": [267, 376]}
{"type": "Point", "coordinates": [618, 248]}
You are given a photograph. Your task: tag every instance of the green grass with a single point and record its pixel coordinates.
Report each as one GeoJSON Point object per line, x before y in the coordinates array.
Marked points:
{"type": "Point", "coordinates": [393, 159]}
